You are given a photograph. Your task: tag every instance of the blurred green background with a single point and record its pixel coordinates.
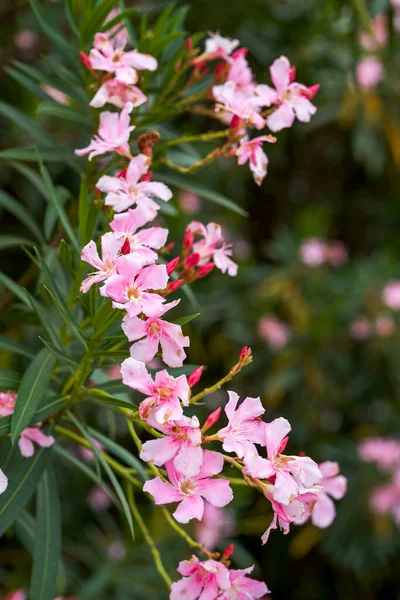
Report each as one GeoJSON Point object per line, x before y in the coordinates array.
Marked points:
{"type": "Point", "coordinates": [336, 178]}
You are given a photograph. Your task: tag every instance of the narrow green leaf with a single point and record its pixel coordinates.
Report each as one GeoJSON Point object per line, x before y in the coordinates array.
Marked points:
{"type": "Point", "coordinates": [9, 345]}
{"type": "Point", "coordinates": [29, 154]}
{"type": "Point", "coordinates": [96, 18]}
{"type": "Point", "coordinates": [49, 407]}
{"type": "Point", "coordinates": [53, 109]}
{"type": "Point", "coordinates": [120, 452]}
{"type": "Point", "coordinates": [47, 551]}
{"type": "Point", "coordinates": [66, 315]}
{"type": "Point", "coordinates": [22, 214]}
{"type": "Point", "coordinates": [184, 320]}
{"type": "Point", "coordinates": [16, 289]}
{"type": "Point", "coordinates": [58, 354]}
{"type": "Point", "coordinates": [32, 389]}
{"type": "Point", "coordinates": [9, 380]}
{"type": "Point", "coordinates": [105, 318]}
{"type": "Point", "coordinates": [27, 83]}
{"type": "Point", "coordinates": [25, 530]}
{"type": "Point", "coordinates": [103, 397]}
{"type": "Point", "coordinates": [23, 476]}
{"type": "Point", "coordinates": [51, 30]}
{"type": "Point", "coordinates": [54, 199]}
{"type": "Point", "coordinates": [32, 176]}
{"type": "Point", "coordinates": [28, 125]}
{"type": "Point", "coordinates": [11, 241]}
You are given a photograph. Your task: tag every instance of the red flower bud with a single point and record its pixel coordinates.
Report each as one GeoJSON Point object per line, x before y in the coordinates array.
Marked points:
{"type": "Point", "coordinates": [148, 176]}
{"type": "Point", "coordinates": [189, 44]}
{"type": "Point", "coordinates": [171, 266]}
{"type": "Point", "coordinates": [126, 247]}
{"type": "Point", "coordinates": [312, 90]}
{"type": "Point", "coordinates": [239, 53]}
{"type": "Point", "coordinates": [188, 239]}
{"type": "Point", "coordinates": [228, 551]}
{"type": "Point", "coordinates": [192, 261]}
{"type": "Point", "coordinates": [174, 285]}
{"type": "Point", "coordinates": [194, 377]}
{"type": "Point", "coordinates": [219, 69]}
{"type": "Point", "coordinates": [236, 122]}
{"type": "Point", "coordinates": [122, 174]}
{"type": "Point", "coordinates": [169, 247]}
{"type": "Point", "coordinates": [245, 353]}
{"type": "Point", "coordinates": [292, 74]}
{"type": "Point", "coordinates": [97, 192]}
{"type": "Point", "coordinates": [85, 60]}
{"type": "Point", "coordinates": [211, 419]}
{"type": "Point", "coordinates": [205, 270]}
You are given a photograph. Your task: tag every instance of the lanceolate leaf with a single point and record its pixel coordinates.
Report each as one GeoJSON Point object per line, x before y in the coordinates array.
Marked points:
{"type": "Point", "coordinates": [32, 389]}
{"type": "Point", "coordinates": [184, 320]}
{"type": "Point", "coordinates": [8, 345]}
{"type": "Point", "coordinates": [23, 476]}
{"type": "Point", "coordinates": [120, 452]}
{"type": "Point", "coordinates": [21, 213]}
{"type": "Point", "coordinates": [47, 549]}
{"type": "Point", "coordinates": [28, 125]}
{"type": "Point", "coordinates": [9, 380]}
{"type": "Point", "coordinates": [25, 530]}
{"type": "Point", "coordinates": [49, 407]}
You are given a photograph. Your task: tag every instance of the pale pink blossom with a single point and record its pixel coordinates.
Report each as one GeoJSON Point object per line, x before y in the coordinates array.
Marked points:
{"type": "Point", "coordinates": [181, 444]}
{"type": "Point", "coordinates": [114, 372]}
{"type": "Point", "coordinates": [233, 100]}
{"type": "Point", "coordinates": [334, 486]}
{"type": "Point", "coordinates": [385, 499]}
{"type": "Point", "coordinates": [245, 427]}
{"type": "Point", "coordinates": [242, 587]}
{"type": "Point", "coordinates": [119, 31]}
{"type": "Point", "coordinates": [56, 95]}
{"type": "Point", "coordinates": [216, 47]}
{"type": "Point", "coordinates": [391, 295]}
{"type": "Point", "coordinates": [105, 266]}
{"type": "Point", "coordinates": [108, 55]}
{"type": "Point", "coordinates": [131, 287]}
{"type": "Point", "coordinates": [313, 252]}
{"type": "Point", "coordinates": [201, 580]}
{"type": "Point", "coordinates": [379, 38]}
{"type": "Point", "coordinates": [251, 151]}
{"type": "Point", "coordinates": [25, 39]}
{"type": "Point", "coordinates": [216, 524]}
{"type": "Point", "coordinates": [276, 333]}
{"type": "Point", "coordinates": [153, 332]}
{"type": "Point", "coordinates": [143, 242]}
{"type": "Point", "coordinates": [3, 481]}
{"type": "Point", "coordinates": [30, 435]}
{"type": "Point", "coordinates": [113, 136]}
{"type": "Point", "coordinates": [241, 74]}
{"type": "Point", "coordinates": [292, 98]}
{"type": "Point", "coordinates": [16, 595]}
{"type": "Point", "coordinates": [396, 18]}
{"type": "Point", "coordinates": [369, 72]}
{"type": "Point", "coordinates": [164, 394]}
{"type": "Point", "coordinates": [297, 511]}
{"type": "Point", "coordinates": [211, 246]}
{"type": "Point", "coordinates": [360, 328]}
{"type": "Point", "coordinates": [336, 253]}
{"type": "Point", "coordinates": [191, 492]}
{"type": "Point", "coordinates": [385, 325]}
{"type": "Point", "coordinates": [99, 500]}
{"type": "Point", "coordinates": [119, 94]}
{"type": "Point", "coordinates": [190, 202]}
{"type": "Point", "coordinates": [123, 192]}
{"type": "Point", "coordinates": [385, 452]}
{"type": "Point", "coordinates": [7, 403]}
{"type": "Point", "coordinates": [395, 3]}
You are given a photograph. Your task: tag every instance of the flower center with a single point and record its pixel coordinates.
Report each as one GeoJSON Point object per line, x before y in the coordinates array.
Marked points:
{"type": "Point", "coordinates": [133, 294]}
{"type": "Point", "coordinates": [165, 393]}
{"type": "Point", "coordinates": [154, 329]}
{"type": "Point", "coordinates": [188, 486]}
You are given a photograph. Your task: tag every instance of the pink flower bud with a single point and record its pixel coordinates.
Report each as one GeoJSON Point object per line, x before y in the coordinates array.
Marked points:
{"type": "Point", "coordinates": [192, 261]}
{"type": "Point", "coordinates": [292, 74]}
{"type": "Point", "coordinates": [236, 122]}
{"type": "Point", "coordinates": [171, 266]}
{"type": "Point", "coordinates": [245, 353]}
{"type": "Point", "coordinates": [174, 285]}
{"type": "Point", "coordinates": [85, 60]}
{"type": "Point", "coordinates": [211, 420]}
{"type": "Point", "coordinates": [148, 175]}
{"type": "Point", "coordinates": [126, 247]}
{"type": "Point", "coordinates": [228, 551]}
{"type": "Point", "coordinates": [97, 192]}
{"type": "Point", "coordinates": [189, 44]}
{"type": "Point", "coordinates": [239, 53]}
{"type": "Point", "coordinates": [122, 174]}
{"type": "Point", "coordinates": [313, 89]}
{"type": "Point", "coordinates": [194, 377]}
{"type": "Point", "coordinates": [169, 247]}
{"type": "Point", "coordinates": [205, 270]}
{"type": "Point", "coordinates": [188, 239]}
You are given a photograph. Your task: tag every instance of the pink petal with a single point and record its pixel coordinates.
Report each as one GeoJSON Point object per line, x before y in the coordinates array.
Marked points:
{"type": "Point", "coordinates": [157, 189]}
{"type": "Point", "coordinates": [138, 167]}
{"type": "Point", "coordinates": [172, 352]}
{"type": "Point", "coordinates": [191, 507]}
{"type": "Point", "coordinates": [216, 491]}
{"type": "Point", "coordinates": [329, 468]}
{"type": "Point", "coordinates": [258, 467]}
{"type": "Point", "coordinates": [135, 375]}
{"type": "Point", "coordinates": [26, 447]}
{"type": "Point", "coordinates": [186, 588]}
{"type": "Point", "coordinates": [90, 255]}
{"type": "Point", "coordinates": [159, 451]}
{"type": "Point", "coordinates": [324, 511]}
{"type": "Point", "coordinates": [281, 118]}
{"type": "Point", "coordinates": [189, 460]}
{"type": "Point", "coordinates": [3, 481]}
{"type": "Point", "coordinates": [145, 350]}
{"type": "Point", "coordinates": [285, 488]}
{"type": "Point", "coordinates": [134, 328]}
{"type": "Point", "coordinates": [230, 407]}
{"type": "Point", "coordinates": [162, 492]}
{"type": "Point", "coordinates": [213, 463]}
{"type": "Point", "coordinates": [154, 277]}
{"type": "Point", "coordinates": [280, 73]}
{"type": "Point", "coordinates": [275, 432]}
{"type": "Point", "coordinates": [336, 486]}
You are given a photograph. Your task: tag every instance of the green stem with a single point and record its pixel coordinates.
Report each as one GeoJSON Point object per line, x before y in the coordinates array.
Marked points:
{"type": "Point", "coordinates": [189, 540]}
{"type": "Point", "coordinates": [361, 8]}
{"type": "Point", "coordinates": [203, 137]}
{"type": "Point", "coordinates": [218, 152]}
{"type": "Point", "coordinates": [232, 373]}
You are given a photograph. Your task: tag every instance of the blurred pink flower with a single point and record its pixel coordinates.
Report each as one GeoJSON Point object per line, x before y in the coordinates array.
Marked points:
{"type": "Point", "coordinates": [334, 486]}
{"type": "Point", "coordinates": [26, 39]}
{"type": "Point", "coordinates": [385, 325]}
{"type": "Point", "coordinates": [57, 96]}
{"type": "Point", "coordinates": [385, 499]}
{"type": "Point", "coordinates": [7, 403]}
{"type": "Point", "coordinates": [313, 252]}
{"type": "Point", "coordinates": [216, 524]}
{"type": "Point", "coordinates": [379, 27]}
{"type": "Point", "coordinates": [99, 500]}
{"type": "Point", "coordinates": [369, 72]}
{"type": "Point", "coordinates": [190, 202]}
{"type": "Point", "coordinates": [385, 452]}
{"type": "Point", "coordinates": [360, 328]}
{"type": "Point", "coordinates": [336, 253]}
{"type": "Point", "coordinates": [30, 435]}
{"type": "Point", "coordinates": [114, 372]}
{"type": "Point", "coordinates": [17, 595]}
{"type": "Point", "coordinates": [391, 295]}
{"type": "Point", "coordinates": [245, 428]}
{"type": "Point", "coordinates": [276, 333]}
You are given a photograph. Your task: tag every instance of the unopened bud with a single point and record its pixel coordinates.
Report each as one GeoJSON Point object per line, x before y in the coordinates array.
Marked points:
{"type": "Point", "coordinates": [147, 176]}
{"type": "Point", "coordinates": [236, 122]}
{"type": "Point", "coordinates": [194, 376]}
{"type": "Point", "coordinates": [312, 90]}
{"type": "Point", "coordinates": [228, 551]}
{"type": "Point", "coordinates": [174, 285]}
{"type": "Point", "coordinates": [205, 270]}
{"type": "Point", "coordinates": [239, 53]}
{"type": "Point", "coordinates": [192, 261]}
{"type": "Point", "coordinates": [220, 70]}
{"type": "Point", "coordinates": [171, 266]}
{"type": "Point", "coordinates": [188, 239]}
{"type": "Point", "coordinates": [168, 247]}
{"type": "Point", "coordinates": [211, 420]}
{"type": "Point", "coordinates": [122, 174]}
{"type": "Point", "coordinates": [85, 60]}
{"type": "Point", "coordinates": [292, 74]}
{"type": "Point", "coordinates": [97, 192]}
{"type": "Point", "coordinates": [126, 247]}
{"type": "Point", "coordinates": [245, 353]}
{"type": "Point", "coordinates": [146, 141]}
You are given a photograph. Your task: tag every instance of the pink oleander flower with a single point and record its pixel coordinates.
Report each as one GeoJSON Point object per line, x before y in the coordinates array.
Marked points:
{"type": "Point", "coordinates": [16, 595]}
{"type": "Point", "coordinates": [190, 202]}
{"type": "Point", "coordinates": [113, 136]}
{"type": "Point", "coordinates": [336, 253]}
{"type": "Point", "coordinates": [3, 481]}
{"type": "Point", "coordinates": [360, 328]}
{"type": "Point", "coordinates": [369, 72]}
{"type": "Point", "coordinates": [245, 427]}
{"type": "Point", "coordinates": [192, 491]}
{"type": "Point", "coordinates": [144, 242]}
{"type": "Point", "coordinates": [108, 55]}
{"type": "Point", "coordinates": [99, 500]}
{"type": "Point", "coordinates": [297, 511]}
{"type": "Point", "coordinates": [212, 247]}
{"type": "Point", "coordinates": [242, 587]}
{"type": "Point", "coordinates": [379, 27]}
{"type": "Point", "coordinates": [7, 403]}
{"type": "Point", "coordinates": [181, 444]}
{"type": "Point", "coordinates": [130, 288]}
{"type": "Point", "coordinates": [240, 73]}
{"type": "Point", "coordinates": [201, 580]}
{"type": "Point", "coordinates": [293, 474]}
{"type": "Point", "coordinates": [232, 100]}
{"type": "Point", "coordinates": [313, 252]}
{"type": "Point", "coordinates": [216, 524]}
{"type": "Point", "coordinates": [276, 333]}
{"type": "Point", "coordinates": [385, 452]}
{"type": "Point", "coordinates": [216, 47]}
{"type": "Point", "coordinates": [30, 435]}
{"type": "Point", "coordinates": [385, 325]}
{"type": "Point", "coordinates": [119, 94]}
{"type": "Point", "coordinates": [385, 499]}
{"type": "Point", "coordinates": [391, 295]}
{"type": "Point", "coordinates": [164, 394]}
{"type": "Point", "coordinates": [251, 151]}
{"type": "Point", "coordinates": [334, 486]}
{"type": "Point", "coordinates": [25, 39]}
{"type": "Point", "coordinates": [123, 192]}
{"type": "Point", "coordinates": [153, 332]}
{"type": "Point", "coordinates": [105, 266]}
{"type": "Point", "coordinates": [292, 98]}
